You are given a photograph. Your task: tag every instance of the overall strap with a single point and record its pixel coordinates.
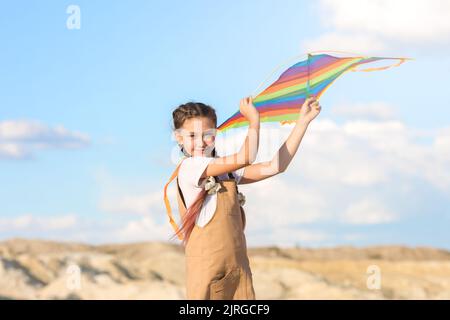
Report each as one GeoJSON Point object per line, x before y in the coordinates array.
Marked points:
{"type": "Point", "coordinates": [231, 176]}
{"type": "Point", "coordinates": [167, 203]}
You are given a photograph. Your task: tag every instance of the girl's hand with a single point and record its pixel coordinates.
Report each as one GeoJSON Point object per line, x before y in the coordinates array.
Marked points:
{"type": "Point", "coordinates": [310, 109]}
{"type": "Point", "coordinates": [248, 110]}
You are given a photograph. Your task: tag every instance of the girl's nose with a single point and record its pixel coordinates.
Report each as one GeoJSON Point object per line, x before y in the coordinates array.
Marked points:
{"type": "Point", "coordinates": [199, 143]}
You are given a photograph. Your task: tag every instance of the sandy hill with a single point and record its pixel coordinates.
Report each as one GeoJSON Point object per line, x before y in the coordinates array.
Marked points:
{"type": "Point", "coordinates": [37, 269]}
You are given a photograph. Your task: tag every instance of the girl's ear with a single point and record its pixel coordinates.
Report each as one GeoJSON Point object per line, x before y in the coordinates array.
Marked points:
{"type": "Point", "coordinates": [178, 137]}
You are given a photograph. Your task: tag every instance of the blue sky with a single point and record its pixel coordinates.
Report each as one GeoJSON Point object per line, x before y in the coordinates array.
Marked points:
{"type": "Point", "coordinates": [85, 117]}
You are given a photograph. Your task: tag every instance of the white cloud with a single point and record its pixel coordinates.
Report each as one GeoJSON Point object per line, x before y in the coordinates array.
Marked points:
{"type": "Point", "coordinates": [367, 153]}
{"type": "Point", "coordinates": [12, 151]}
{"type": "Point", "coordinates": [130, 200]}
{"type": "Point", "coordinates": [19, 139]}
{"type": "Point", "coordinates": [367, 111]}
{"type": "Point", "coordinates": [287, 237]}
{"type": "Point", "coordinates": [33, 222]}
{"type": "Point", "coordinates": [373, 26]}
{"type": "Point", "coordinates": [144, 229]}
{"type": "Point", "coordinates": [130, 197]}
{"type": "Point", "coordinates": [133, 204]}
{"type": "Point", "coordinates": [368, 211]}
{"type": "Point", "coordinates": [279, 202]}
{"type": "Point", "coordinates": [401, 20]}
{"type": "Point", "coordinates": [442, 144]}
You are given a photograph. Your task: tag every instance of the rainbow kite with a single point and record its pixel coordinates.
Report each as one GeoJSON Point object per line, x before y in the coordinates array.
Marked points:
{"type": "Point", "coordinates": [282, 100]}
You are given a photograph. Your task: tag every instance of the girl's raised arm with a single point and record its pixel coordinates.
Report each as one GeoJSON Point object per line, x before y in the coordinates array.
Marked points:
{"type": "Point", "coordinates": [279, 163]}
{"type": "Point", "coordinates": [247, 153]}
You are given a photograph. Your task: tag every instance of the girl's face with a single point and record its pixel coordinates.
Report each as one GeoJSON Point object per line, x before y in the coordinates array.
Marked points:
{"type": "Point", "coordinates": [197, 135]}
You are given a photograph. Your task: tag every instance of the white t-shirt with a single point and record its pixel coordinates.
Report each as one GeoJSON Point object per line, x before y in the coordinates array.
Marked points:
{"type": "Point", "coordinates": [188, 178]}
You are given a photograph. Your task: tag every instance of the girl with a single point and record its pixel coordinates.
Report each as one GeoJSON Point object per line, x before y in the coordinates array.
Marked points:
{"type": "Point", "coordinates": [209, 202]}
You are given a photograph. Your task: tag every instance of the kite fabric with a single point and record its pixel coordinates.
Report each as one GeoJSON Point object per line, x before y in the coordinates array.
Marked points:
{"type": "Point", "coordinates": [281, 101]}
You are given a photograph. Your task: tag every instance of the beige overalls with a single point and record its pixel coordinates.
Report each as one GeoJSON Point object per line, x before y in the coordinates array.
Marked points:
{"type": "Point", "coordinates": [217, 265]}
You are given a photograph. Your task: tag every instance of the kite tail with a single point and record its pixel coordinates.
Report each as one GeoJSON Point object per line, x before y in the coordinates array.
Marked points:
{"type": "Point", "coordinates": [402, 60]}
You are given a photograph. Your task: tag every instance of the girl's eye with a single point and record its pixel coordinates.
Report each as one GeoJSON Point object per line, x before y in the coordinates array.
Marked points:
{"type": "Point", "coordinates": [209, 134]}
{"type": "Point", "coordinates": [206, 135]}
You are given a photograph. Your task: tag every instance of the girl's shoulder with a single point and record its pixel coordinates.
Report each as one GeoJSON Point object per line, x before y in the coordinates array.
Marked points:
{"type": "Point", "coordinates": [193, 163]}
{"type": "Point", "coordinates": [191, 169]}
